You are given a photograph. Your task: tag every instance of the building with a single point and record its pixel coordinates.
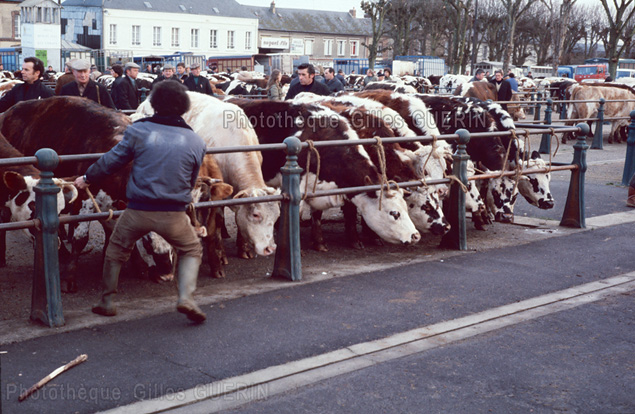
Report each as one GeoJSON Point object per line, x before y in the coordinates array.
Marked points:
{"type": "Point", "coordinates": [9, 23]}
{"type": "Point", "coordinates": [126, 28]}
{"type": "Point", "coordinates": [40, 31]}
{"type": "Point", "coordinates": [320, 35]}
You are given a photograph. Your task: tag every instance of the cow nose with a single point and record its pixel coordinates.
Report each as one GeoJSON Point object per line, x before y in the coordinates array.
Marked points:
{"type": "Point", "coordinates": [270, 250]}
{"type": "Point", "coordinates": [546, 204]}
{"type": "Point", "coordinates": [416, 236]}
{"type": "Point", "coordinates": [504, 217]}
{"type": "Point", "coordinates": [439, 229]}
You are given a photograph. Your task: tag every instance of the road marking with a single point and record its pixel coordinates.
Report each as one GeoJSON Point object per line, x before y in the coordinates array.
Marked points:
{"type": "Point", "coordinates": [236, 391]}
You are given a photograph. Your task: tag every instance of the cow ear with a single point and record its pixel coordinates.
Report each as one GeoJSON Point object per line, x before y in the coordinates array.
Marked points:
{"type": "Point", "coordinates": [535, 155]}
{"type": "Point", "coordinates": [221, 191]}
{"type": "Point", "coordinates": [241, 194]}
{"type": "Point", "coordinates": [14, 181]}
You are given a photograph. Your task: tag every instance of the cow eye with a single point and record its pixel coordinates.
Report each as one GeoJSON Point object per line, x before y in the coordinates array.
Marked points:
{"type": "Point", "coordinates": [395, 214]}
{"type": "Point", "coordinates": [21, 198]}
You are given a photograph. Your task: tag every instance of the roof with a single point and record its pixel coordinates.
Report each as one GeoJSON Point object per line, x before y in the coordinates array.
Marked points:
{"type": "Point", "coordinates": [309, 21]}
{"type": "Point", "coordinates": [224, 8]}
{"type": "Point", "coordinates": [30, 3]}
{"type": "Point", "coordinates": [74, 47]}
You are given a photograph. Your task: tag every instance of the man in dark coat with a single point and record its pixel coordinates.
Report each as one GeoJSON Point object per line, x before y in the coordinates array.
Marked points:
{"type": "Point", "coordinates": [85, 87]}
{"type": "Point", "coordinates": [32, 88]}
{"type": "Point", "coordinates": [168, 74]}
{"type": "Point", "coordinates": [503, 88]}
{"type": "Point", "coordinates": [331, 81]}
{"type": "Point", "coordinates": [197, 83]}
{"type": "Point", "coordinates": [124, 90]}
{"type": "Point", "coordinates": [307, 83]}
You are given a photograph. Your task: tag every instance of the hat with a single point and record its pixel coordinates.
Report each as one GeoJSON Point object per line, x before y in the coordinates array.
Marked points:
{"type": "Point", "coordinates": [168, 66]}
{"type": "Point", "coordinates": [479, 71]}
{"type": "Point", "coordinates": [380, 73]}
{"type": "Point", "coordinates": [80, 64]}
{"type": "Point", "coordinates": [131, 65]}
{"type": "Point", "coordinates": [195, 65]}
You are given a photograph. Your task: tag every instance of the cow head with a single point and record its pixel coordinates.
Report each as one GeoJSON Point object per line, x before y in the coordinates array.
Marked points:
{"type": "Point", "coordinates": [473, 200]}
{"type": "Point", "coordinates": [500, 196]}
{"type": "Point", "coordinates": [22, 198]}
{"type": "Point", "coordinates": [431, 163]}
{"type": "Point", "coordinates": [425, 210]}
{"type": "Point", "coordinates": [535, 187]}
{"type": "Point", "coordinates": [392, 222]}
{"type": "Point", "coordinates": [516, 110]}
{"type": "Point", "coordinates": [256, 221]}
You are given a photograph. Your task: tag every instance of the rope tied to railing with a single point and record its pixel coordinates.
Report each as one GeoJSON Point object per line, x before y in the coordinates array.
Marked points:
{"type": "Point", "coordinates": [382, 169]}
{"type": "Point", "coordinates": [312, 149]}
{"type": "Point", "coordinates": [425, 163]}
{"type": "Point", "coordinates": [553, 135]}
{"type": "Point", "coordinates": [92, 198]}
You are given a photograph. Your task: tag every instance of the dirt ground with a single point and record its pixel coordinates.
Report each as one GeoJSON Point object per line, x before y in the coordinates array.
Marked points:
{"type": "Point", "coordinates": [140, 297]}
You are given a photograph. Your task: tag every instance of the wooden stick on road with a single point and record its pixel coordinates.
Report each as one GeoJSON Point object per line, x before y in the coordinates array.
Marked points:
{"type": "Point", "coordinates": [40, 383]}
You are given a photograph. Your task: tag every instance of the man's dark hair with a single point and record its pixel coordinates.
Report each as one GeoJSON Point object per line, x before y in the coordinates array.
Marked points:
{"type": "Point", "coordinates": [511, 75]}
{"type": "Point", "coordinates": [37, 64]}
{"type": "Point", "coordinates": [243, 68]}
{"type": "Point", "coordinates": [330, 70]}
{"type": "Point", "coordinates": [180, 64]}
{"type": "Point", "coordinates": [387, 70]}
{"type": "Point", "coordinates": [170, 98]}
{"type": "Point", "coordinates": [479, 71]}
{"type": "Point", "coordinates": [309, 67]}
{"type": "Point", "coordinates": [117, 69]}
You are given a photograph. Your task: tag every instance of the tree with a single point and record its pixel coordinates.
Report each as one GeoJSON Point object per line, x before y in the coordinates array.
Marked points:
{"type": "Point", "coordinates": [400, 18]}
{"type": "Point", "coordinates": [514, 10]}
{"type": "Point", "coordinates": [493, 29]}
{"type": "Point", "coordinates": [618, 37]}
{"type": "Point", "coordinates": [376, 11]}
{"type": "Point", "coordinates": [458, 13]}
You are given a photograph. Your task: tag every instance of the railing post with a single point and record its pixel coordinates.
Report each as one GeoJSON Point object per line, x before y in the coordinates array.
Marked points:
{"type": "Point", "coordinates": [597, 137]}
{"type": "Point", "coordinates": [563, 110]}
{"type": "Point", "coordinates": [537, 113]}
{"type": "Point", "coordinates": [144, 92]}
{"type": "Point", "coordinates": [46, 302]}
{"type": "Point", "coordinates": [530, 107]}
{"type": "Point", "coordinates": [456, 238]}
{"type": "Point", "coordinates": [545, 142]}
{"type": "Point", "coordinates": [288, 256]}
{"type": "Point", "coordinates": [574, 215]}
{"type": "Point", "coordinates": [629, 162]}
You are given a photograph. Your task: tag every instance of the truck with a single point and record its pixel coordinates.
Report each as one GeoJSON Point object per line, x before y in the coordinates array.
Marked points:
{"type": "Point", "coordinates": [566, 71]}
{"type": "Point", "coordinates": [594, 71]}
{"type": "Point", "coordinates": [424, 65]}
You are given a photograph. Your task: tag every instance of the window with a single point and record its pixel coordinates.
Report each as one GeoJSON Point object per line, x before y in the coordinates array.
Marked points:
{"type": "Point", "coordinates": [213, 36]}
{"type": "Point", "coordinates": [308, 47]}
{"type": "Point", "coordinates": [136, 35]}
{"type": "Point", "coordinates": [175, 37]}
{"type": "Point", "coordinates": [230, 39]}
{"type": "Point", "coordinates": [328, 47]}
{"type": "Point", "coordinates": [354, 47]}
{"type": "Point", "coordinates": [341, 47]}
{"type": "Point", "coordinates": [156, 36]}
{"type": "Point", "coordinates": [194, 42]}
{"type": "Point", "coordinates": [113, 34]}
{"type": "Point", "coordinates": [16, 25]}
{"type": "Point", "coordinates": [247, 40]}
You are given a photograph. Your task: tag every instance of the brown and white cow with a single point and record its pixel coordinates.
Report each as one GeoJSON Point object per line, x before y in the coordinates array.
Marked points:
{"type": "Point", "coordinates": [593, 92]}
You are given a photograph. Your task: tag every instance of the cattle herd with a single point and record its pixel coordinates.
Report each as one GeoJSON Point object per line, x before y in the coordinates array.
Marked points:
{"type": "Point", "coordinates": [72, 125]}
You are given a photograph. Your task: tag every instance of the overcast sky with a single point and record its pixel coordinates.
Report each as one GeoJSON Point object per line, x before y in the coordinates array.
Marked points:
{"type": "Point", "coordinates": [332, 5]}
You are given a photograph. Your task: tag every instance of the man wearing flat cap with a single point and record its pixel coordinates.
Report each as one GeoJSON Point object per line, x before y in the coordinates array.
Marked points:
{"type": "Point", "coordinates": [197, 83]}
{"type": "Point", "coordinates": [168, 74]}
{"type": "Point", "coordinates": [85, 87]}
{"type": "Point", "coordinates": [124, 90]}
{"type": "Point", "coordinates": [32, 88]}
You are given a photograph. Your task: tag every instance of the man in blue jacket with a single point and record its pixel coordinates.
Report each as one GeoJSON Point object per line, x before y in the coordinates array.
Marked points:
{"type": "Point", "coordinates": [166, 156]}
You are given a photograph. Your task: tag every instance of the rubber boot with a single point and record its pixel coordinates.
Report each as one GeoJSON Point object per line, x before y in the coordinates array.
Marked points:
{"type": "Point", "coordinates": [630, 201]}
{"type": "Point", "coordinates": [110, 279]}
{"type": "Point", "coordinates": [188, 274]}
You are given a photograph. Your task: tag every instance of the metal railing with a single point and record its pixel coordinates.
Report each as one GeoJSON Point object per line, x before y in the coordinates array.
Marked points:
{"type": "Point", "coordinates": [46, 303]}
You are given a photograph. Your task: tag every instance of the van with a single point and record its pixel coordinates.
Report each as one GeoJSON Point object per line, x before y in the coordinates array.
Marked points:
{"type": "Point", "coordinates": [625, 73]}
{"type": "Point", "coordinates": [599, 71]}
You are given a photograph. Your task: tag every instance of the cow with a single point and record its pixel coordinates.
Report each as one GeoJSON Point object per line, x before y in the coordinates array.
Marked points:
{"type": "Point", "coordinates": [222, 124]}
{"type": "Point", "coordinates": [487, 91]}
{"type": "Point", "coordinates": [593, 92]}
{"type": "Point", "coordinates": [385, 211]}
{"type": "Point", "coordinates": [448, 83]}
{"type": "Point", "coordinates": [421, 84]}
{"type": "Point", "coordinates": [399, 87]}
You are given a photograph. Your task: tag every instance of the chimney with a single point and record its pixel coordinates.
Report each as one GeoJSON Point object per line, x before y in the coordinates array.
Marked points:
{"type": "Point", "coordinates": [353, 12]}
{"type": "Point", "coordinates": [272, 8]}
